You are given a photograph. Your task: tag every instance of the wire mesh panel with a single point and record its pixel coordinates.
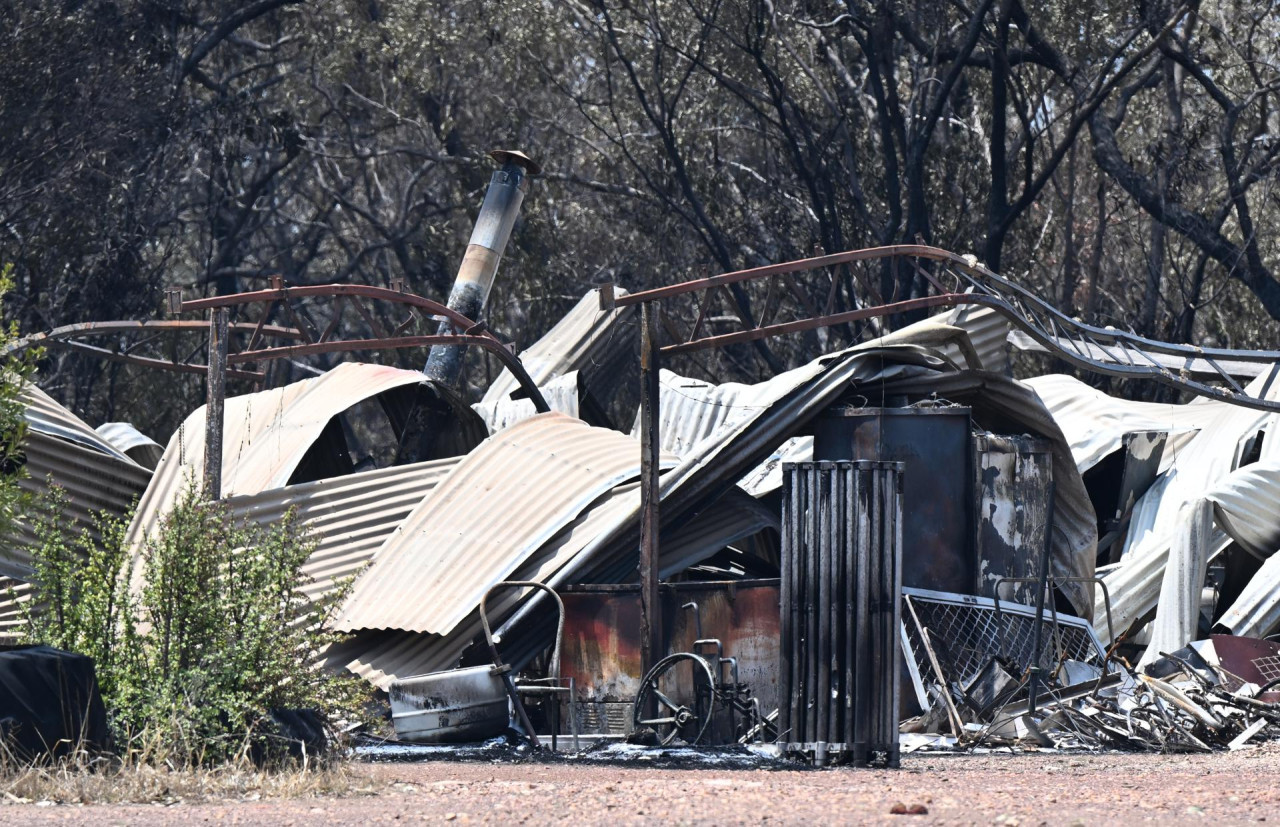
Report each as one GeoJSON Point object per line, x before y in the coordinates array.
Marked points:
{"type": "Point", "coordinates": [966, 632]}
{"type": "Point", "coordinates": [841, 611]}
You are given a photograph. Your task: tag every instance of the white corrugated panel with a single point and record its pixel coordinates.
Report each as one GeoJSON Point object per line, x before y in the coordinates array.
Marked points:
{"type": "Point", "coordinates": [1248, 506]}
{"type": "Point", "coordinates": [502, 502]}
{"type": "Point", "coordinates": [1094, 422]}
{"type": "Point", "coordinates": [560, 393]}
{"type": "Point", "coordinates": [1179, 606]}
{"type": "Point", "coordinates": [139, 447]}
{"type": "Point", "coordinates": [587, 336]}
{"type": "Point", "coordinates": [1206, 460]}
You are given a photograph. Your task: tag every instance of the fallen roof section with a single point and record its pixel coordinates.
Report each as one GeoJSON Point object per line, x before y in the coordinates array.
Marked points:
{"type": "Point", "coordinates": [585, 338]}
{"type": "Point", "coordinates": [349, 518]}
{"type": "Point", "coordinates": [139, 447]}
{"type": "Point", "coordinates": [501, 503]}
{"type": "Point", "coordinates": [265, 436]}
{"type": "Point", "coordinates": [63, 450]}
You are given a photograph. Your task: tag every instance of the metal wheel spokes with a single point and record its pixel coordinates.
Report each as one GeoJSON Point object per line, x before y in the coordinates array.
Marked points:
{"type": "Point", "coordinates": [676, 699]}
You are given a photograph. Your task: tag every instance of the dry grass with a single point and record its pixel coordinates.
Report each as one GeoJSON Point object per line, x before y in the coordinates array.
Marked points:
{"type": "Point", "coordinates": [138, 779]}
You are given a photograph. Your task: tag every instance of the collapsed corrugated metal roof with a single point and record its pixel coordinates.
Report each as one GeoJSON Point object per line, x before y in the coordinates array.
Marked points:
{"type": "Point", "coordinates": [1256, 612]}
{"type": "Point", "coordinates": [47, 417]}
{"type": "Point", "coordinates": [586, 339]}
{"type": "Point", "coordinates": [265, 436]}
{"type": "Point", "coordinates": [1094, 423]}
{"type": "Point", "coordinates": [96, 476]}
{"type": "Point", "coordinates": [502, 502]}
{"type": "Point", "coordinates": [988, 334]}
{"type": "Point", "coordinates": [502, 412]}
{"type": "Point", "coordinates": [1206, 460]}
{"type": "Point", "coordinates": [348, 517]}
{"type": "Point", "coordinates": [139, 447]}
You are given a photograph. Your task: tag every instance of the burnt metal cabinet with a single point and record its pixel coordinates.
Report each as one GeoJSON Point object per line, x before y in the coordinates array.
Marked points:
{"type": "Point", "coordinates": [935, 447]}
{"type": "Point", "coordinates": [1013, 479]}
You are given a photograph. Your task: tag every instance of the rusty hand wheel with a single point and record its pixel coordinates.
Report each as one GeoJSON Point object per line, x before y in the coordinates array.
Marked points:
{"type": "Point", "coordinates": [676, 699]}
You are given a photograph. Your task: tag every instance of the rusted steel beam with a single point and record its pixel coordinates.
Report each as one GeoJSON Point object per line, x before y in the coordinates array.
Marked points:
{"type": "Point", "coordinates": [84, 329]}
{"type": "Point", "coordinates": [459, 321]}
{"type": "Point", "coordinates": [650, 449]}
{"type": "Point", "coordinates": [945, 300]}
{"type": "Point", "coordinates": [148, 362]}
{"type": "Point", "coordinates": [488, 342]}
{"type": "Point", "coordinates": [797, 266]}
{"type": "Point", "coordinates": [990, 289]}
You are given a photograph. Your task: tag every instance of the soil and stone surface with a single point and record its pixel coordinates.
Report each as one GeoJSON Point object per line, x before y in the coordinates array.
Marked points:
{"type": "Point", "coordinates": [1027, 789]}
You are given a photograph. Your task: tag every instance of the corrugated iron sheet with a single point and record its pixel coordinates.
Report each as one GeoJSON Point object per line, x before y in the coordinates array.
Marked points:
{"type": "Point", "coordinates": [265, 435]}
{"type": "Point", "coordinates": [1256, 612]}
{"type": "Point", "coordinates": [988, 333]}
{"type": "Point", "coordinates": [1200, 466]}
{"type": "Point", "coordinates": [1247, 506]}
{"type": "Point", "coordinates": [586, 338]}
{"type": "Point", "coordinates": [1179, 607]}
{"type": "Point", "coordinates": [47, 417]}
{"type": "Point", "coordinates": [95, 476]}
{"type": "Point", "coordinates": [1094, 423]}
{"type": "Point", "coordinates": [139, 447]}
{"type": "Point", "coordinates": [560, 393]}
{"type": "Point", "coordinates": [349, 517]}
{"type": "Point", "coordinates": [504, 501]}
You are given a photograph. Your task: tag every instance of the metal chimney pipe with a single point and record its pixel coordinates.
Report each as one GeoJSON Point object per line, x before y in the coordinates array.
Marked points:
{"type": "Point", "coordinates": [480, 263]}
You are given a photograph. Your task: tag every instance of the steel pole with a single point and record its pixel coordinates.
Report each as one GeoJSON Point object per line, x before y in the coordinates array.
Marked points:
{"type": "Point", "coordinates": [215, 398]}
{"type": "Point", "coordinates": [650, 446]}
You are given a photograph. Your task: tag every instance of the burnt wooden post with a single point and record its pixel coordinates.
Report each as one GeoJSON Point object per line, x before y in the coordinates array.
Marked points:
{"type": "Point", "coordinates": [216, 388]}
{"type": "Point", "coordinates": [650, 447]}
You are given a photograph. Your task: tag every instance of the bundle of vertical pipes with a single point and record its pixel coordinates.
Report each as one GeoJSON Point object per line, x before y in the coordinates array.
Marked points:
{"type": "Point", "coordinates": [841, 611]}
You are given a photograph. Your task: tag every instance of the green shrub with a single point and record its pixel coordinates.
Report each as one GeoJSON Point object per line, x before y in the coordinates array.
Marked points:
{"type": "Point", "coordinates": [197, 637]}
{"type": "Point", "coordinates": [15, 371]}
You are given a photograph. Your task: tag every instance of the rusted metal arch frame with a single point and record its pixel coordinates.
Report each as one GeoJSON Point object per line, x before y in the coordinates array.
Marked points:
{"type": "Point", "coordinates": [1039, 320]}
{"type": "Point", "coordinates": [472, 333]}
{"type": "Point", "coordinates": [66, 336]}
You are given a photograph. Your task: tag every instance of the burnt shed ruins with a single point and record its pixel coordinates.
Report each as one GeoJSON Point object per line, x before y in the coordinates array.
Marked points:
{"type": "Point", "coordinates": [892, 545]}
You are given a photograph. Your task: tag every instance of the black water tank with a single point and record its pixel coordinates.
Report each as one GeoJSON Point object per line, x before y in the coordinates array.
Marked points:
{"type": "Point", "coordinates": [937, 496]}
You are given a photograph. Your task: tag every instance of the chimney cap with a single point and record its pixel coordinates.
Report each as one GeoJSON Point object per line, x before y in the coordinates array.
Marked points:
{"type": "Point", "coordinates": [515, 156]}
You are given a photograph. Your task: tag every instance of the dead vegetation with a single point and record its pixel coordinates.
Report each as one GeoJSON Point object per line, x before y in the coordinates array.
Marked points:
{"type": "Point", "coordinates": [138, 778]}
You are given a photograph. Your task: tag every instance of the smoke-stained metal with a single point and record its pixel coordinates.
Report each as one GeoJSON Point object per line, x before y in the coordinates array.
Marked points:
{"type": "Point", "coordinates": [489, 238]}
{"type": "Point", "coordinates": [840, 661]}
{"type": "Point", "coordinates": [934, 444]}
{"type": "Point", "coordinates": [1013, 476]}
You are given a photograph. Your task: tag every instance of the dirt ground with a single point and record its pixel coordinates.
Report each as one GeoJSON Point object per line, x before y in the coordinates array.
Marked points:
{"type": "Point", "coordinates": [1054, 789]}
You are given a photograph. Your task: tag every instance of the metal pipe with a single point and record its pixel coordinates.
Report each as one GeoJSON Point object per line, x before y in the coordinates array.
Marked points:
{"type": "Point", "coordinates": [480, 262]}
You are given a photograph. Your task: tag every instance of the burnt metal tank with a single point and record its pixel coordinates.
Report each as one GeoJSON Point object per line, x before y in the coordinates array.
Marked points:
{"type": "Point", "coordinates": [934, 444]}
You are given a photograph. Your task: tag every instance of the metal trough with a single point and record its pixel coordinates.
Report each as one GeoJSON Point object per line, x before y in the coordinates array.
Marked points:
{"type": "Point", "coordinates": [461, 705]}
